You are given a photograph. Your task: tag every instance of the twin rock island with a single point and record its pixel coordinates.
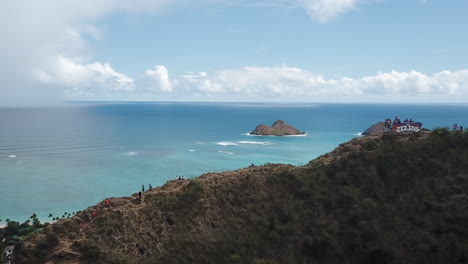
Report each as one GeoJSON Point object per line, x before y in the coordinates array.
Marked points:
{"type": "Point", "coordinates": [279, 128]}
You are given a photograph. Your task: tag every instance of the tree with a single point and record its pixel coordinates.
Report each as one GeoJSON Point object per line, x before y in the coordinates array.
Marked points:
{"type": "Point", "coordinates": [11, 229]}
{"type": "Point", "coordinates": [36, 222]}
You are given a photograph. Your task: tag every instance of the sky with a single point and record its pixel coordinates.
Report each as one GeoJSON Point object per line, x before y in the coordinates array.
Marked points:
{"type": "Point", "coordinates": [353, 51]}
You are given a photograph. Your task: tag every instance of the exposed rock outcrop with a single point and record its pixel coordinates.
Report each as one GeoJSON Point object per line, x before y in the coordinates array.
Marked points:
{"type": "Point", "coordinates": [376, 129]}
{"type": "Point", "coordinates": [279, 128]}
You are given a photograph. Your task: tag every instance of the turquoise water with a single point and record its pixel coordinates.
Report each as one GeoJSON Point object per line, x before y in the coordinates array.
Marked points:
{"type": "Point", "coordinates": [55, 160]}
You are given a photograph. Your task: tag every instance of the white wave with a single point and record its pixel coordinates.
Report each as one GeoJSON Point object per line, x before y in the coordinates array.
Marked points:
{"type": "Point", "coordinates": [191, 150]}
{"type": "Point", "coordinates": [12, 156]}
{"type": "Point", "coordinates": [256, 143]}
{"type": "Point", "coordinates": [253, 135]}
{"type": "Point", "coordinates": [357, 134]}
{"type": "Point", "coordinates": [226, 152]}
{"type": "Point", "coordinates": [227, 143]}
{"type": "Point", "coordinates": [131, 153]}
{"type": "Point", "coordinates": [302, 135]}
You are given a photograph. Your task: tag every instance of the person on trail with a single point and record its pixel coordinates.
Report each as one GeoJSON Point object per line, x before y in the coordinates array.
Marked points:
{"type": "Point", "coordinates": [454, 127]}
{"type": "Point", "coordinates": [139, 197]}
{"type": "Point", "coordinates": [461, 128]}
{"type": "Point", "coordinates": [397, 119]}
{"type": "Point", "coordinates": [142, 188]}
{"type": "Point", "coordinates": [150, 187]}
{"type": "Point", "coordinates": [94, 214]}
{"type": "Point", "coordinates": [108, 203]}
{"type": "Point", "coordinates": [8, 256]}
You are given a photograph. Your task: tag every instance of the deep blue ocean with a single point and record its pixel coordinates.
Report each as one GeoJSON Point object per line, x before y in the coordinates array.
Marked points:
{"type": "Point", "coordinates": [64, 159]}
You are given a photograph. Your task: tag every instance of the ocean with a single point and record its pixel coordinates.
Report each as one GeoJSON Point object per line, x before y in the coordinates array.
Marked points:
{"type": "Point", "coordinates": [64, 159]}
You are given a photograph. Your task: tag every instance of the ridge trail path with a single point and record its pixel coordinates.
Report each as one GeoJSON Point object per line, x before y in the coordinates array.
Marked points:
{"type": "Point", "coordinates": [65, 249]}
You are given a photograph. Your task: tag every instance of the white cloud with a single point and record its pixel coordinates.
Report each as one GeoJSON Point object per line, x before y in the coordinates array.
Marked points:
{"type": "Point", "coordinates": [43, 51]}
{"type": "Point", "coordinates": [159, 78]}
{"type": "Point", "coordinates": [97, 81]}
{"type": "Point", "coordinates": [285, 4]}
{"type": "Point", "coordinates": [94, 79]}
{"type": "Point", "coordinates": [200, 83]}
{"type": "Point", "coordinates": [325, 10]}
{"type": "Point", "coordinates": [290, 84]}
{"type": "Point", "coordinates": [321, 10]}
{"type": "Point", "coordinates": [33, 31]}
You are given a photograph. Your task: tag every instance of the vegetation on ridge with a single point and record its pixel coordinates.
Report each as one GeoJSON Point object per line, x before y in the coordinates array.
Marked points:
{"type": "Point", "coordinates": [372, 200]}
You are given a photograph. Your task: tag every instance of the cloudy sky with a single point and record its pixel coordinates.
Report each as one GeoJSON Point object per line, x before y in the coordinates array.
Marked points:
{"type": "Point", "coordinates": [53, 51]}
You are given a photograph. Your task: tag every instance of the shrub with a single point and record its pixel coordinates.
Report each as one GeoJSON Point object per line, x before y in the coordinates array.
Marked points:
{"type": "Point", "coordinates": [48, 242]}
{"type": "Point", "coordinates": [191, 195]}
{"type": "Point", "coordinates": [89, 251]}
{"type": "Point", "coordinates": [11, 229]}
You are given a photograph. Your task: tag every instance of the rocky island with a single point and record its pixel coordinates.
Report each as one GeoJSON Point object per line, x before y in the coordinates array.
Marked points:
{"type": "Point", "coordinates": [405, 128]}
{"type": "Point", "coordinates": [376, 129]}
{"type": "Point", "coordinates": [279, 128]}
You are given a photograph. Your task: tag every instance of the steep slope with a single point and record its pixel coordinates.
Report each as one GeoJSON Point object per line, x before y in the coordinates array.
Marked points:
{"type": "Point", "coordinates": [372, 200]}
{"type": "Point", "coordinates": [377, 128]}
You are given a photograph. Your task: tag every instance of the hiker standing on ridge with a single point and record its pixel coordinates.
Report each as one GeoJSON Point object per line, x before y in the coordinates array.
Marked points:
{"type": "Point", "coordinates": [454, 127]}
{"type": "Point", "coordinates": [142, 188]}
{"type": "Point", "coordinates": [150, 187]}
{"type": "Point", "coordinates": [108, 203]}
